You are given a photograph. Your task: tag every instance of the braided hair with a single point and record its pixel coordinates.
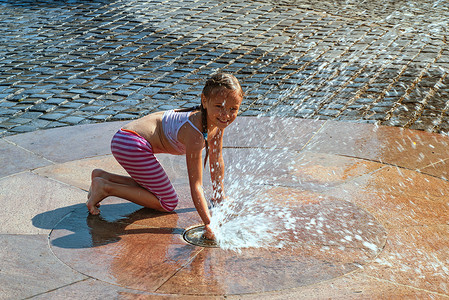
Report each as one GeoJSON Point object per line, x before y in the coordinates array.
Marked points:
{"type": "Point", "coordinates": [217, 80]}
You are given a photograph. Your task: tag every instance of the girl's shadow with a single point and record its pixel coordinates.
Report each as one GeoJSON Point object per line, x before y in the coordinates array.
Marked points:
{"type": "Point", "coordinates": [79, 229]}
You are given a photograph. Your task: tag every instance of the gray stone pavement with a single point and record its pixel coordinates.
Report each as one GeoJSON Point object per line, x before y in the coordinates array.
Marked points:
{"type": "Point", "coordinates": [76, 62]}
{"type": "Point", "coordinates": [66, 63]}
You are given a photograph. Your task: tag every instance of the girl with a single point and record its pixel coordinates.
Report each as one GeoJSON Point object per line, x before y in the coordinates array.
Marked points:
{"type": "Point", "coordinates": [175, 132]}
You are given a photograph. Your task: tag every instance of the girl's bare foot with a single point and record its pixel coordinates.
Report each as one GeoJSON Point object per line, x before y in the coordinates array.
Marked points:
{"type": "Point", "coordinates": [90, 193]}
{"type": "Point", "coordinates": [96, 195]}
{"type": "Point", "coordinates": [95, 173]}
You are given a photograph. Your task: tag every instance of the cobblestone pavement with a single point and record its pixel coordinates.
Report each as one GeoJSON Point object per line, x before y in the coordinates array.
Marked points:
{"type": "Point", "coordinates": [76, 62]}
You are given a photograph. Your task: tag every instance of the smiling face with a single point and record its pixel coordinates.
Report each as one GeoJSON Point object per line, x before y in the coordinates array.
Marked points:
{"type": "Point", "coordinates": [222, 106]}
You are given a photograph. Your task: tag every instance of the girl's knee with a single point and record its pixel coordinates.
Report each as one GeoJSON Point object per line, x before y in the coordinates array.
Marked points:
{"type": "Point", "coordinates": [169, 209]}
{"type": "Point", "coordinates": [98, 173]}
{"type": "Point", "coordinates": [169, 205]}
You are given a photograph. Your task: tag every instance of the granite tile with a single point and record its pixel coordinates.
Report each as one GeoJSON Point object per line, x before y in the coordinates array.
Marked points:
{"type": "Point", "coordinates": [86, 288]}
{"type": "Point", "coordinates": [308, 170]}
{"type": "Point", "coordinates": [339, 199]}
{"type": "Point", "coordinates": [329, 238]}
{"type": "Point", "coordinates": [321, 171]}
{"type": "Point", "coordinates": [392, 145]}
{"type": "Point", "coordinates": [29, 268]}
{"type": "Point", "coordinates": [102, 247]}
{"type": "Point", "coordinates": [327, 228]}
{"type": "Point", "coordinates": [439, 169]}
{"type": "Point", "coordinates": [350, 286]}
{"type": "Point", "coordinates": [33, 204]}
{"type": "Point", "coordinates": [78, 173]}
{"type": "Point", "coordinates": [214, 271]}
{"type": "Point", "coordinates": [415, 256]}
{"type": "Point", "coordinates": [257, 166]}
{"type": "Point", "coordinates": [114, 249]}
{"type": "Point", "coordinates": [176, 168]}
{"type": "Point", "coordinates": [185, 213]}
{"type": "Point", "coordinates": [69, 143]}
{"type": "Point", "coordinates": [266, 132]}
{"type": "Point", "coordinates": [398, 197]}
{"type": "Point", "coordinates": [15, 159]}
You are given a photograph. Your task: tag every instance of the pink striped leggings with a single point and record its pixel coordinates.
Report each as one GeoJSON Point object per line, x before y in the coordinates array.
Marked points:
{"type": "Point", "coordinates": [136, 156]}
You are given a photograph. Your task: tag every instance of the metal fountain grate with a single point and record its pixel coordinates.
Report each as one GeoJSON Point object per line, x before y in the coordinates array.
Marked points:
{"type": "Point", "coordinates": [194, 236]}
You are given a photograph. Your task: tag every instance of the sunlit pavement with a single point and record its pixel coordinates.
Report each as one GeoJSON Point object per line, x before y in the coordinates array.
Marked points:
{"type": "Point", "coordinates": [369, 204]}
{"type": "Point", "coordinates": [370, 201]}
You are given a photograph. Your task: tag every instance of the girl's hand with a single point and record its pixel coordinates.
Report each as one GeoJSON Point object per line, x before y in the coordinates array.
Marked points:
{"type": "Point", "coordinates": [218, 200]}
{"type": "Point", "coordinates": [208, 234]}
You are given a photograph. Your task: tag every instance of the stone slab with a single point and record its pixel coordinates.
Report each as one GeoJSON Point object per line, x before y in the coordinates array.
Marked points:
{"type": "Point", "coordinates": [398, 197]}
{"type": "Point", "coordinates": [439, 169]}
{"type": "Point", "coordinates": [33, 204]}
{"type": "Point", "coordinates": [15, 159]}
{"type": "Point", "coordinates": [86, 288]}
{"type": "Point", "coordinates": [71, 143]}
{"type": "Point", "coordinates": [157, 249]}
{"type": "Point", "coordinates": [266, 132]}
{"type": "Point", "coordinates": [415, 256]}
{"type": "Point", "coordinates": [162, 262]}
{"type": "Point", "coordinates": [29, 268]}
{"type": "Point", "coordinates": [390, 145]}
{"type": "Point", "coordinates": [350, 286]}
{"type": "Point", "coordinates": [323, 171]}
{"type": "Point", "coordinates": [367, 229]}
{"type": "Point", "coordinates": [78, 173]}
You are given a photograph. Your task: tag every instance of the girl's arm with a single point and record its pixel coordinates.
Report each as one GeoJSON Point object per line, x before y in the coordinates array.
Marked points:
{"type": "Point", "coordinates": [216, 165]}
{"type": "Point", "coordinates": [195, 172]}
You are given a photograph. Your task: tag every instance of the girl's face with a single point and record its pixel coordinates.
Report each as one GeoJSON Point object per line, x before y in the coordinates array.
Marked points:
{"type": "Point", "coordinates": [222, 107]}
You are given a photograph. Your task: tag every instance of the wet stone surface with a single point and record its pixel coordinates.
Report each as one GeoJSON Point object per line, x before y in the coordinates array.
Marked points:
{"type": "Point", "coordinates": [77, 62]}
{"type": "Point", "coordinates": [334, 237]}
{"type": "Point", "coordinates": [366, 209]}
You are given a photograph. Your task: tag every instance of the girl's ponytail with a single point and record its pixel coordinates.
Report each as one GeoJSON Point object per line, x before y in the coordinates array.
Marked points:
{"type": "Point", "coordinates": [204, 130]}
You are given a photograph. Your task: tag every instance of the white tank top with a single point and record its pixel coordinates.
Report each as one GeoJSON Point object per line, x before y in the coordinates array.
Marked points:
{"type": "Point", "coordinates": [171, 123]}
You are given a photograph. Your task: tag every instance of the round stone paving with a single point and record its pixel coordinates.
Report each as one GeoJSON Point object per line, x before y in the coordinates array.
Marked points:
{"type": "Point", "coordinates": [140, 249]}
{"type": "Point", "coordinates": [368, 202]}
{"type": "Point", "coordinates": [344, 191]}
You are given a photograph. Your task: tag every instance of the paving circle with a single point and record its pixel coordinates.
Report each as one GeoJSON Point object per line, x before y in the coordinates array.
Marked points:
{"type": "Point", "coordinates": [367, 205]}
{"type": "Point", "coordinates": [143, 250]}
{"type": "Point", "coordinates": [345, 188]}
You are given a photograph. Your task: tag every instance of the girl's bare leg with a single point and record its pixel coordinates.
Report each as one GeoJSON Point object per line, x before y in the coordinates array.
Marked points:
{"type": "Point", "coordinates": [113, 177]}
{"type": "Point", "coordinates": [106, 184]}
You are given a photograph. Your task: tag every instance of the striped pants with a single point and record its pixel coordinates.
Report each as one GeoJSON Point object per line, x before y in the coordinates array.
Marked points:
{"type": "Point", "coordinates": [136, 156]}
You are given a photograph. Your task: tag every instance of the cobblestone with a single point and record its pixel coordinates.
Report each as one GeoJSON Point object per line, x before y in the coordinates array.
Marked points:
{"type": "Point", "coordinates": [66, 63]}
